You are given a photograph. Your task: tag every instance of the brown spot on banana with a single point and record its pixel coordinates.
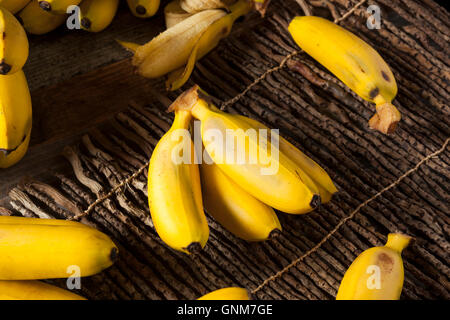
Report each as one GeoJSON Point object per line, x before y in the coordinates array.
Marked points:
{"type": "Point", "coordinates": [141, 10]}
{"type": "Point", "coordinates": [385, 262]}
{"type": "Point", "coordinates": [373, 93]}
{"type": "Point", "coordinates": [385, 76]}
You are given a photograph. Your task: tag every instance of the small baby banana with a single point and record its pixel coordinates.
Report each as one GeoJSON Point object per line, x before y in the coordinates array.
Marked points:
{"type": "Point", "coordinates": [143, 8]}
{"type": "Point", "coordinates": [13, 6]}
{"type": "Point", "coordinates": [173, 14]}
{"type": "Point", "coordinates": [57, 6]}
{"type": "Point", "coordinates": [44, 251]}
{"type": "Point", "coordinates": [13, 44]}
{"type": "Point", "coordinates": [231, 293]}
{"type": "Point", "coordinates": [97, 15]}
{"type": "Point", "coordinates": [354, 62]}
{"type": "Point", "coordinates": [174, 190]}
{"type": "Point", "coordinates": [15, 118]}
{"type": "Point", "coordinates": [377, 273]}
{"type": "Point", "coordinates": [34, 290]}
{"type": "Point", "coordinates": [37, 21]}
{"type": "Point", "coordinates": [193, 6]}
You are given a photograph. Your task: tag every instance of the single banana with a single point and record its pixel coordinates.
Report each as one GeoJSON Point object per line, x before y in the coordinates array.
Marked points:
{"type": "Point", "coordinates": [37, 221]}
{"type": "Point", "coordinates": [377, 273]}
{"type": "Point", "coordinates": [43, 251]}
{"type": "Point", "coordinates": [13, 6]}
{"type": "Point", "coordinates": [174, 14]}
{"type": "Point", "coordinates": [97, 15]}
{"type": "Point", "coordinates": [34, 290]}
{"type": "Point", "coordinates": [57, 6]}
{"type": "Point", "coordinates": [235, 209]}
{"type": "Point", "coordinates": [193, 6]}
{"type": "Point", "coordinates": [174, 190]}
{"type": "Point", "coordinates": [249, 158]}
{"type": "Point", "coordinates": [231, 293]}
{"type": "Point", "coordinates": [15, 118]}
{"type": "Point", "coordinates": [354, 62]}
{"type": "Point", "coordinates": [37, 21]}
{"type": "Point", "coordinates": [13, 44]}
{"type": "Point", "coordinates": [144, 8]}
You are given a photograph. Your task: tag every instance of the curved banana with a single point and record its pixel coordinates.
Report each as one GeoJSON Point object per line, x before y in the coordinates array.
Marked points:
{"type": "Point", "coordinates": [15, 118]}
{"type": "Point", "coordinates": [377, 273]}
{"type": "Point", "coordinates": [57, 6]}
{"type": "Point", "coordinates": [13, 44]}
{"type": "Point", "coordinates": [37, 21]}
{"type": "Point", "coordinates": [97, 15]}
{"type": "Point", "coordinates": [193, 6]}
{"type": "Point", "coordinates": [174, 14]}
{"type": "Point", "coordinates": [249, 158]}
{"type": "Point", "coordinates": [235, 209]}
{"type": "Point", "coordinates": [144, 8]}
{"type": "Point", "coordinates": [13, 6]}
{"type": "Point", "coordinates": [44, 251]}
{"type": "Point", "coordinates": [174, 191]}
{"type": "Point", "coordinates": [231, 293]}
{"type": "Point", "coordinates": [34, 290]}
{"type": "Point", "coordinates": [354, 62]}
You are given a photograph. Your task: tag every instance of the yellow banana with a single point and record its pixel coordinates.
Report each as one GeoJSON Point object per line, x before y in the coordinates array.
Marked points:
{"type": "Point", "coordinates": [193, 6]}
{"type": "Point", "coordinates": [173, 14]}
{"type": "Point", "coordinates": [249, 158]}
{"type": "Point", "coordinates": [13, 44]}
{"type": "Point", "coordinates": [13, 6]}
{"type": "Point", "coordinates": [37, 21]}
{"type": "Point", "coordinates": [35, 250]}
{"type": "Point", "coordinates": [144, 8]}
{"type": "Point", "coordinates": [57, 6]}
{"type": "Point", "coordinates": [34, 290]}
{"type": "Point", "coordinates": [174, 190]}
{"type": "Point", "coordinates": [97, 15]}
{"type": "Point", "coordinates": [377, 273]}
{"type": "Point", "coordinates": [37, 221]}
{"type": "Point", "coordinates": [235, 209]}
{"type": "Point", "coordinates": [15, 118]}
{"type": "Point", "coordinates": [231, 293]}
{"type": "Point", "coordinates": [354, 62]}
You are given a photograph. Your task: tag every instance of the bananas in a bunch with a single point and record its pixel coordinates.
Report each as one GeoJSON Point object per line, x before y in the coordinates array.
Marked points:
{"type": "Point", "coordinates": [57, 6]}
{"type": "Point", "coordinates": [13, 44]}
{"type": "Point", "coordinates": [143, 8]}
{"type": "Point", "coordinates": [177, 49]}
{"type": "Point", "coordinates": [44, 249]}
{"type": "Point", "coordinates": [174, 191]}
{"type": "Point", "coordinates": [354, 62]}
{"type": "Point", "coordinates": [34, 290]}
{"type": "Point", "coordinates": [232, 293]}
{"type": "Point", "coordinates": [97, 15]}
{"type": "Point", "coordinates": [37, 21]}
{"type": "Point", "coordinates": [15, 118]}
{"type": "Point", "coordinates": [377, 273]}
{"type": "Point", "coordinates": [13, 6]}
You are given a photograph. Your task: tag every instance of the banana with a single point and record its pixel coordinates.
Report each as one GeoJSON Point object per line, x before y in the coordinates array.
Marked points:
{"type": "Point", "coordinates": [57, 6]}
{"type": "Point", "coordinates": [15, 118]}
{"type": "Point", "coordinates": [13, 6]}
{"type": "Point", "coordinates": [39, 250]}
{"type": "Point", "coordinates": [377, 273]}
{"type": "Point", "coordinates": [249, 158]}
{"type": "Point", "coordinates": [354, 62]}
{"type": "Point", "coordinates": [37, 21]}
{"type": "Point", "coordinates": [231, 293]}
{"type": "Point", "coordinates": [174, 14]}
{"type": "Point", "coordinates": [13, 44]}
{"type": "Point", "coordinates": [97, 15]}
{"type": "Point", "coordinates": [235, 209]}
{"type": "Point", "coordinates": [34, 290]}
{"type": "Point", "coordinates": [193, 6]}
{"type": "Point", "coordinates": [144, 8]}
{"type": "Point", "coordinates": [174, 189]}
{"type": "Point", "coordinates": [37, 221]}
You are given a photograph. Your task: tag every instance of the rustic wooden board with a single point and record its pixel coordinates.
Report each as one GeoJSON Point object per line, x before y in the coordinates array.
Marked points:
{"type": "Point", "coordinates": [315, 111]}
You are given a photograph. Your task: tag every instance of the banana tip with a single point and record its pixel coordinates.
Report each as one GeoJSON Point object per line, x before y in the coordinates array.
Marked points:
{"type": "Point", "coordinates": [45, 5]}
{"type": "Point", "coordinates": [386, 118]}
{"type": "Point", "coordinates": [316, 201]}
{"type": "Point", "coordinates": [187, 99]}
{"type": "Point", "coordinates": [4, 68]}
{"type": "Point", "coordinates": [114, 254]}
{"type": "Point", "coordinates": [194, 248]}
{"type": "Point", "coordinates": [274, 234]}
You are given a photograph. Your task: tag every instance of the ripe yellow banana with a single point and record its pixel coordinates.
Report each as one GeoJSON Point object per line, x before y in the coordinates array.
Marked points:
{"type": "Point", "coordinates": [35, 250]}
{"type": "Point", "coordinates": [15, 118]}
{"type": "Point", "coordinates": [97, 15]}
{"type": "Point", "coordinates": [377, 273]}
{"type": "Point", "coordinates": [173, 14]}
{"type": "Point", "coordinates": [354, 62]}
{"type": "Point", "coordinates": [34, 290]}
{"type": "Point", "coordinates": [13, 44]}
{"type": "Point", "coordinates": [231, 293]}
{"type": "Point", "coordinates": [37, 21]}
{"type": "Point", "coordinates": [249, 158]}
{"type": "Point", "coordinates": [144, 8]}
{"type": "Point", "coordinates": [13, 6]}
{"type": "Point", "coordinates": [193, 6]}
{"type": "Point", "coordinates": [235, 209]}
{"type": "Point", "coordinates": [38, 221]}
{"type": "Point", "coordinates": [174, 190]}
{"type": "Point", "coordinates": [57, 6]}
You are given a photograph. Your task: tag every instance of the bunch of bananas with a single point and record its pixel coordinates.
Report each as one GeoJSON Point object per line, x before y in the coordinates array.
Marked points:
{"type": "Point", "coordinates": [238, 194]}
{"type": "Point", "coordinates": [32, 249]}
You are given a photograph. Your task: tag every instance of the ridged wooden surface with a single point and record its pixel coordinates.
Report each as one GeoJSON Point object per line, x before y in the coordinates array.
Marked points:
{"type": "Point", "coordinates": [320, 116]}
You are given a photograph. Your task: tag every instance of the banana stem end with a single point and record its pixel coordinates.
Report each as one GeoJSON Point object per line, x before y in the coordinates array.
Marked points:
{"type": "Point", "coordinates": [398, 241]}
{"type": "Point", "coordinates": [386, 118]}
